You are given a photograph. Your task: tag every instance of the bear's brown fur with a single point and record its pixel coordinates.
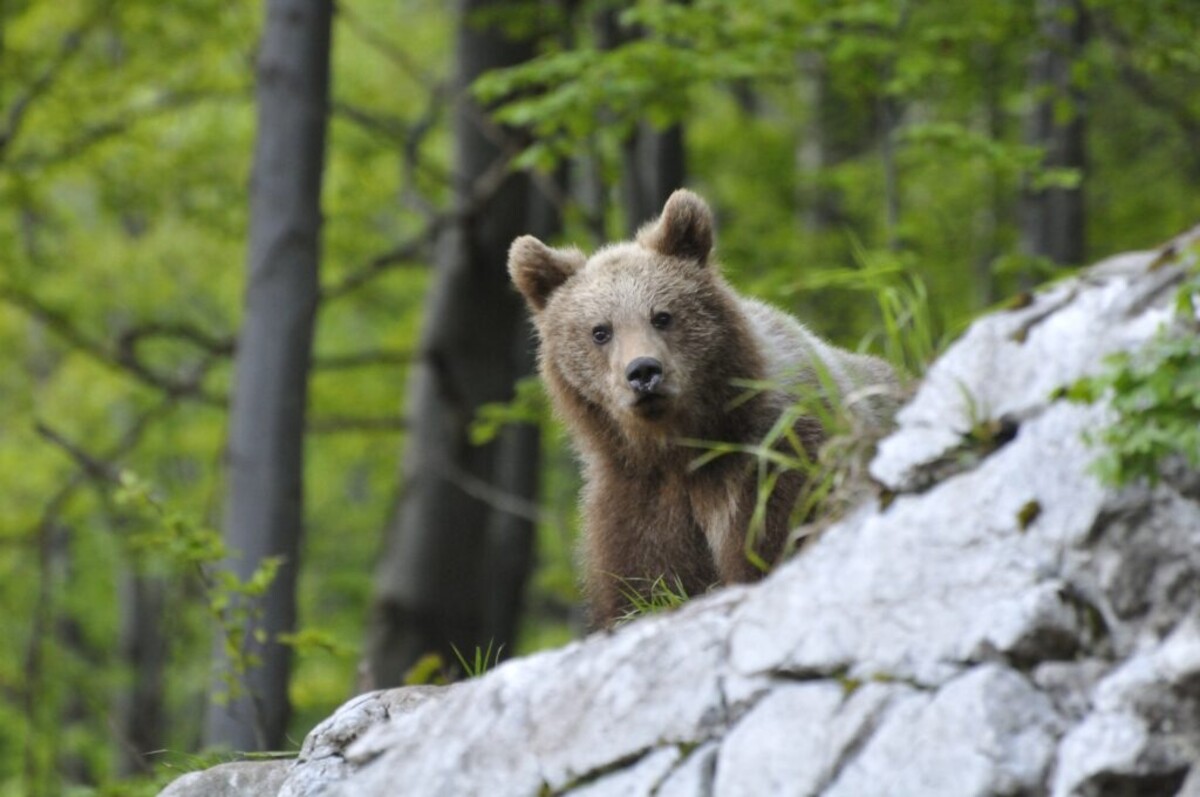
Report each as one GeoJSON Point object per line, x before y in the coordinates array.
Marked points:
{"type": "Point", "coordinates": [643, 346]}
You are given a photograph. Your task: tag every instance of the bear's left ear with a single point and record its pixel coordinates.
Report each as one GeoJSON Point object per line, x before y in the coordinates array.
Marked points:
{"type": "Point", "coordinates": [537, 270]}
{"type": "Point", "coordinates": [685, 228]}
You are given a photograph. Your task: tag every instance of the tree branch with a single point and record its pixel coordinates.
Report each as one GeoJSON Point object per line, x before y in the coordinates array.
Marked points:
{"type": "Point", "coordinates": [390, 127]}
{"type": "Point", "coordinates": [98, 470]}
{"type": "Point", "coordinates": [402, 253]}
{"type": "Point", "coordinates": [124, 359]}
{"type": "Point", "coordinates": [68, 47]}
{"type": "Point", "coordinates": [1143, 84]}
{"type": "Point", "coordinates": [338, 424]}
{"type": "Point", "coordinates": [90, 466]}
{"type": "Point", "coordinates": [217, 346]}
{"type": "Point", "coordinates": [120, 123]}
{"type": "Point", "coordinates": [495, 497]}
{"type": "Point", "coordinates": [363, 359]}
{"type": "Point", "coordinates": [369, 36]}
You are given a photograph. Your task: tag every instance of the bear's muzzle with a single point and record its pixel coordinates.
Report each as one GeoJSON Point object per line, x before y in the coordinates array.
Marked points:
{"type": "Point", "coordinates": [645, 375]}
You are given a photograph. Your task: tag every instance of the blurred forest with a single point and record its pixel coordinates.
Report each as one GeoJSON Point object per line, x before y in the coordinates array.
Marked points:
{"type": "Point", "coordinates": [269, 434]}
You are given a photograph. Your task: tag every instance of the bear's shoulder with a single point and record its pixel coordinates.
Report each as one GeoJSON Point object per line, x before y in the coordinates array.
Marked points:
{"type": "Point", "coordinates": [796, 356]}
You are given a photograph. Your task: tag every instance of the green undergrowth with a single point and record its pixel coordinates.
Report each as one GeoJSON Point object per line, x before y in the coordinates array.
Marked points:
{"type": "Point", "coordinates": [1154, 394]}
{"type": "Point", "coordinates": [483, 659]}
{"type": "Point", "coordinates": [908, 336]}
{"type": "Point", "coordinates": [658, 595]}
{"type": "Point", "coordinates": [174, 542]}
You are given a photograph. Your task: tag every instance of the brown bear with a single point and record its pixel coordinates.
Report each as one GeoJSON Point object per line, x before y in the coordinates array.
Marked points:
{"type": "Point", "coordinates": [645, 350]}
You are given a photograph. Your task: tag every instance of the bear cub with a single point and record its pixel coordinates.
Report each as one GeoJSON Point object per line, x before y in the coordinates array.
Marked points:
{"type": "Point", "coordinates": [645, 349]}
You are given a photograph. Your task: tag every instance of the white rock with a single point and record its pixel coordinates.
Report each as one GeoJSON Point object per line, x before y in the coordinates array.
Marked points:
{"type": "Point", "coordinates": [638, 780]}
{"type": "Point", "coordinates": [989, 732]}
{"type": "Point", "coordinates": [694, 776]}
{"type": "Point", "coordinates": [235, 779]}
{"type": "Point", "coordinates": [795, 739]}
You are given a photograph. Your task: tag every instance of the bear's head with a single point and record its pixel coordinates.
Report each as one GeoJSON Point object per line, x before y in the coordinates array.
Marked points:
{"type": "Point", "coordinates": [645, 332]}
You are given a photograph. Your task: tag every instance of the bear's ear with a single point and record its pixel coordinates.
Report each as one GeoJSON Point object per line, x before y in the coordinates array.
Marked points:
{"type": "Point", "coordinates": [685, 228]}
{"type": "Point", "coordinates": [537, 270]}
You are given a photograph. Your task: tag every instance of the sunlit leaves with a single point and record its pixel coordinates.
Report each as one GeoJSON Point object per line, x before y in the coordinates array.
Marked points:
{"type": "Point", "coordinates": [1154, 394]}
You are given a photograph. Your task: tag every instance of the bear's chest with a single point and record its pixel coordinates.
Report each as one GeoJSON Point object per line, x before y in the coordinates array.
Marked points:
{"type": "Point", "coordinates": [717, 504]}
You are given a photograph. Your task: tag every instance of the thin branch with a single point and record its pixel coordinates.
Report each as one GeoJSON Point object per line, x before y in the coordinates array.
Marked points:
{"type": "Point", "coordinates": [418, 131]}
{"type": "Point", "coordinates": [93, 467]}
{"type": "Point", "coordinates": [411, 161]}
{"type": "Point", "coordinates": [363, 359]}
{"type": "Point", "coordinates": [368, 35]}
{"type": "Point", "coordinates": [402, 253]}
{"type": "Point", "coordinates": [495, 497]}
{"type": "Point", "coordinates": [505, 140]}
{"type": "Point", "coordinates": [511, 144]}
{"type": "Point", "coordinates": [1144, 84]}
{"type": "Point", "coordinates": [336, 424]}
{"type": "Point", "coordinates": [121, 122]}
{"type": "Point", "coordinates": [90, 469]}
{"type": "Point", "coordinates": [217, 346]}
{"type": "Point", "coordinates": [124, 359]}
{"type": "Point", "coordinates": [390, 127]}
{"type": "Point", "coordinates": [67, 49]}
{"type": "Point", "coordinates": [99, 467]}
{"type": "Point", "coordinates": [479, 192]}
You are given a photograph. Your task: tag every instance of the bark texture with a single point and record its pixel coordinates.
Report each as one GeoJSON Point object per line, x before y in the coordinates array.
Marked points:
{"type": "Point", "coordinates": [264, 513]}
{"type": "Point", "coordinates": [460, 543]}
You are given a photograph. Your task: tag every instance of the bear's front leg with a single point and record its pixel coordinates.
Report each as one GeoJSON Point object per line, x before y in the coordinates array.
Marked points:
{"type": "Point", "coordinates": [741, 548]}
{"type": "Point", "coordinates": [637, 531]}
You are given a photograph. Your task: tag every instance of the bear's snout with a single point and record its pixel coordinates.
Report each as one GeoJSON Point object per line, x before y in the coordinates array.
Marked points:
{"type": "Point", "coordinates": [645, 375]}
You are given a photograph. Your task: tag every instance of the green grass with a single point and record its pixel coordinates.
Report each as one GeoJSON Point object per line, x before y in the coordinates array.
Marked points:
{"type": "Point", "coordinates": [660, 595]}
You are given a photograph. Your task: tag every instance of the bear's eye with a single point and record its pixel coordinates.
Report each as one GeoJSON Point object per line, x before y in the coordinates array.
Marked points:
{"type": "Point", "coordinates": [661, 320]}
{"type": "Point", "coordinates": [601, 333]}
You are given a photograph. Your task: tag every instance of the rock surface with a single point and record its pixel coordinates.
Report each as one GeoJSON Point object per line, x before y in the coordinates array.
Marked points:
{"type": "Point", "coordinates": [237, 779]}
{"type": "Point", "coordinates": [1004, 626]}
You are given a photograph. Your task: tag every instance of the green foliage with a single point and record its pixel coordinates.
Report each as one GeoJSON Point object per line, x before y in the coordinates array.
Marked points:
{"type": "Point", "coordinates": [181, 546]}
{"type": "Point", "coordinates": [650, 596]}
{"type": "Point", "coordinates": [123, 183]}
{"type": "Point", "coordinates": [481, 662]}
{"type": "Point", "coordinates": [1155, 395]}
{"type": "Point", "coordinates": [528, 405]}
{"type": "Point", "coordinates": [430, 669]}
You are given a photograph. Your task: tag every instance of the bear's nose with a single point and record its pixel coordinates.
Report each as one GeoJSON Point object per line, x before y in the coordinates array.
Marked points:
{"type": "Point", "coordinates": [644, 374]}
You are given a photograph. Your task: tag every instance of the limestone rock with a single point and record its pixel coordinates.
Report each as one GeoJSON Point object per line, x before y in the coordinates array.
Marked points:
{"type": "Point", "coordinates": [322, 757]}
{"type": "Point", "coordinates": [237, 779]}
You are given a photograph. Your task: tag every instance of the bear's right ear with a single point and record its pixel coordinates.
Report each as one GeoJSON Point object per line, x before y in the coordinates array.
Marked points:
{"type": "Point", "coordinates": [537, 270]}
{"type": "Point", "coordinates": [685, 228]}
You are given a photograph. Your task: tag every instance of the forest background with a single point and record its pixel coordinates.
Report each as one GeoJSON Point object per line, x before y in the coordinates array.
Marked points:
{"type": "Point", "coordinates": [269, 436]}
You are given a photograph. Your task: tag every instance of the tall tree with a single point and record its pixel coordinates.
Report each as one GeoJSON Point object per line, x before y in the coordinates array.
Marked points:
{"type": "Point", "coordinates": [1052, 219]}
{"type": "Point", "coordinates": [458, 544]}
{"type": "Point", "coordinates": [652, 167]}
{"type": "Point", "coordinates": [264, 513]}
{"type": "Point", "coordinates": [145, 645]}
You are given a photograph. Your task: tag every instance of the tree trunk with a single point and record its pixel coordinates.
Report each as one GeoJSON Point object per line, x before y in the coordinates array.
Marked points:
{"type": "Point", "coordinates": [264, 512]}
{"type": "Point", "coordinates": [653, 165]}
{"type": "Point", "coordinates": [841, 127]}
{"type": "Point", "coordinates": [457, 556]}
{"type": "Point", "coordinates": [1052, 219]}
{"type": "Point", "coordinates": [889, 123]}
{"type": "Point", "coordinates": [145, 649]}
{"type": "Point", "coordinates": [997, 209]}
